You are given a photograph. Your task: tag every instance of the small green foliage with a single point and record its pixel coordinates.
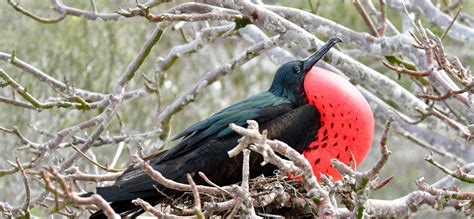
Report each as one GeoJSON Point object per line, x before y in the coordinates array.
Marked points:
{"type": "Point", "coordinates": [316, 200]}
{"type": "Point", "coordinates": [37, 212]}
{"type": "Point", "coordinates": [399, 61]}
{"type": "Point", "coordinates": [360, 212]}
{"type": "Point", "coordinates": [241, 22]}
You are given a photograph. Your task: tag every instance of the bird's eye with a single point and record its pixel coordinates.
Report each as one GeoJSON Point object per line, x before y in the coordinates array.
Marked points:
{"type": "Point", "coordinates": [297, 70]}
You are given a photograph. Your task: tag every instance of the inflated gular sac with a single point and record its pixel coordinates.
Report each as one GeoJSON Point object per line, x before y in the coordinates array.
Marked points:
{"type": "Point", "coordinates": [347, 123]}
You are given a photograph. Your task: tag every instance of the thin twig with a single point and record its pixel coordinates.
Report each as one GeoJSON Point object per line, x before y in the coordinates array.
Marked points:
{"type": "Point", "coordinates": [197, 199]}
{"type": "Point", "coordinates": [366, 17]}
{"type": "Point", "coordinates": [149, 208]}
{"type": "Point", "coordinates": [208, 181]}
{"type": "Point", "coordinates": [80, 105]}
{"type": "Point", "coordinates": [434, 149]}
{"type": "Point", "coordinates": [383, 18]}
{"type": "Point", "coordinates": [383, 150]}
{"type": "Point", "coordinates": [74, 173]}
{"type": "Point", "coordinates": [452, 22]}
{"type": "Point", "coordinates": [422, 185]}
{"type": "Point", "coordinates": [29, 14]}
{"type": "Point", "coordinates": [26, 184]}
{"type": "Point", "coordinates": [458, 174]}
{"type": "Point", "coordinates": [158, 177]}
{"type": "Point", "coordinates": [94, 162]}
{"type": "Point", "coordinates": [66, 192]}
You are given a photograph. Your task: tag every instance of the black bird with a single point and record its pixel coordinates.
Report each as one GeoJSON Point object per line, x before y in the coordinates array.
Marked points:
{"type": "Point", "coordinates": [284, 111]}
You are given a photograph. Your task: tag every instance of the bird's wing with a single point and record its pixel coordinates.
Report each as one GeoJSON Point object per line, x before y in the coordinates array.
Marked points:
{"type": "Point", "coordinates": [261, 107]}
{"type": "Point", "coordinates": [245, 109]}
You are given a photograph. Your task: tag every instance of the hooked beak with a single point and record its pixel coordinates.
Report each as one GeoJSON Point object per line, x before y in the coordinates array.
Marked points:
{"type": "Point", "coordinates": [309, 62]}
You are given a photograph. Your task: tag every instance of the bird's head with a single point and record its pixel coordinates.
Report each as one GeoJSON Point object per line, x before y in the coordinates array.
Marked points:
{"type": "Point", "coordinates": [289, 78]}
{"type": "Point", "coordinates": [346, 120]}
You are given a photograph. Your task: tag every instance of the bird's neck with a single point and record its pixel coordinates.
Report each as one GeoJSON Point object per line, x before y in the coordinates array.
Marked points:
{"type": "Point", "coordinates": [296, 96]}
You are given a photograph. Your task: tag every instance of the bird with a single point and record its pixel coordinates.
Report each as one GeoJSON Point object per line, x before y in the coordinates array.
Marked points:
{"type": "Point", "coordinates": [317, 112]}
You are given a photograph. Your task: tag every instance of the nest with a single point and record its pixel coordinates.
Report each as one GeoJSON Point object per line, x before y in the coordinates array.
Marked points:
{"type": "Point", "coordinates": [274, 196]}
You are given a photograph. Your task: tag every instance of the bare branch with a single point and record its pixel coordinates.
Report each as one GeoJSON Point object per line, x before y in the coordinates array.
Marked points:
{"type": "Point", "coordinates": [26, 184]}
{"type": "Point", "coordinates": [155, 212]}
{"type": "Point", "coordinates": [61, 8]}
{"type": "Point", "coordinates": [244, 192]}
{"type": "Point", "coordinates": [80, 104]}
{"type": "Point", "coordinates": [383, 150]}
{"type": "Point", "coordinates": [443, 193]}
{"type": "Point", "coordinates": [433, 148]}
{"type": "Point", "coordinates": [66, 192]}
{"type": "Point", "coordinates": [18, 103]}
{"type": "Point", "coordinates": [458, 174]}
{"type": "Point", "coordinates": [94, 162]}
{"type": "Point", "coordinates": [367, 20]}
{"type": "Point", "coordinates": [197, 199]}
{"type": "Point", "coordinates": [404, 206]}
{"type": "Point", "coordinates": [198, 12]}
{"type": "Point", "coordinates": [452, 22]}
{"type": "Point", "coordinates": [74, 173]}
{"type": "Point", "coordinates": [158, 177]}
{"type": "Point", "coordinates": [362, 184]}
{"type": "Point", "coordinates": [12, 59]}
{"type": "Point", "coordinates": [25, 142]}
{"type": "Point", "coordinates": [403, 69]}
{"type": "Point", "coordinates": [27, 13]}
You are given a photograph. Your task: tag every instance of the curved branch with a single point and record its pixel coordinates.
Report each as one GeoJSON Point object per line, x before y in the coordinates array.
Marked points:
{"type": "Point", "coordinates": [61, 8]}
{"type": "Point", "coordinates": [29, 14]}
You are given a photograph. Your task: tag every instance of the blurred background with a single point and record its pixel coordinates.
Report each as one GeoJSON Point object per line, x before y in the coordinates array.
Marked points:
{"type": "Point", "coordinates": [91, 55]}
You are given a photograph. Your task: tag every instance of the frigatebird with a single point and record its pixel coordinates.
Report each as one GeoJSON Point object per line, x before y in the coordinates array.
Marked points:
{"type": "Point", "coordinates": [315, 111]}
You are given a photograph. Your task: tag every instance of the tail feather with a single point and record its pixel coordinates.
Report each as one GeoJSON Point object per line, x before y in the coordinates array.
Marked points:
{"type": "Point", "coordinates": [121, 201]}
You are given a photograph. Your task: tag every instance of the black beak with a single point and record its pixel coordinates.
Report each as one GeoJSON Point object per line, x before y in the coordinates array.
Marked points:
{"type": "Point", "coordinates": [309, 62]}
